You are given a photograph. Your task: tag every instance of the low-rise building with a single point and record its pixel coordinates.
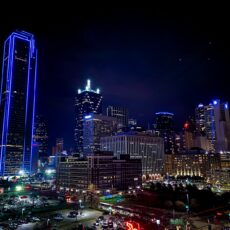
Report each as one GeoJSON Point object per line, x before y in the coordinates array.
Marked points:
{"type": "Point", "coordinates": [100, 170]}
{"type": "Point", "coordinates": [195, 162]}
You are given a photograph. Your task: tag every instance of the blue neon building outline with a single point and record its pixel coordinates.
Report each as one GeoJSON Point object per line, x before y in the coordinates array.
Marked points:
{"type": "Point", "coordinates": [34, 102]}
{"type": "Point", "coordinates": [8, 82]}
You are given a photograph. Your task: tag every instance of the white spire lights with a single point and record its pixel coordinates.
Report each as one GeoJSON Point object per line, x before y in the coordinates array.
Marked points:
{"type": "Point", "coordinates": [88, 88]}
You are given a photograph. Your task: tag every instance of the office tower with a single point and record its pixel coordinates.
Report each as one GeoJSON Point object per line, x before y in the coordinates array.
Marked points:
{"type": "Point", "coordinates": [100, 170]}
{"type": "Point", "coordinates": [86, 101]}
{"type": "Point", "coordinates": [17, 98]}
{"type": "Point", "coordinates": [96, 126]}
{"type": "Point", "coordinates": [59, 145]}
{"type": "Point", "coordinates": [216, 127]}
{"type": "Point", "coordinates": [41, 135]}
{"type": "Point", "coordinates": [120, 113]}
{"type": "Point", "coordinates": [200, 119]}
{"type": "Point", "coordinates": [189, 133]}
{"type": "Point", "coordinates": [165, 129]}
{"type": "Point", "coordinates": [138, 145]}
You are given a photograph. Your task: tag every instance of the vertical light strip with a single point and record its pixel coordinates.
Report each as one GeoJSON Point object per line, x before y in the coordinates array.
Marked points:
{"type": "Point", "coordinates": [8, 85]}
{"type": "Point", "coordinates": [34, 102]}
{"type": "Point", "coordinates": [27, 96]}
{"type": "Point", "coordinates": [3, 68]}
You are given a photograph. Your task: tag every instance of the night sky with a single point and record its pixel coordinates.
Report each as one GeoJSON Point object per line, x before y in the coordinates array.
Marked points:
{"type": "Point", "coordinates": [148, 60]}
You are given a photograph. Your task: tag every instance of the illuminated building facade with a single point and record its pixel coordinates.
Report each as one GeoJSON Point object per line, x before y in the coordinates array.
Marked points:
{"type": "Point", "coordinates": [193, 162]}
{"type": "Point", "coordinates": [41, 135]}
{"type": "Point", "coordinates": [137, 145]}
{"type": "Point", "coordinates": [86, 101]}
{"type": "Point", "coordinates": [120, 113]}
{"type": "Point", "coordinates": [100, 170]}
{"type": "Point", "coordinates": [213, 120]}
{"type": "Point", "coordinates": [17, 108]}
{"type": "Point", "coordinates": [96, 126]}
{"type": "Point", "coordinates": [200, 119]}
{"type": "Point", "coordinates": [165, 129]}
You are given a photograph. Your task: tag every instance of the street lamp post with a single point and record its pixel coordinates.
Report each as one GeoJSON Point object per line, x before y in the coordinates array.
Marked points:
{"type": "Point", "coordinates": [80, 202]}
{"type": "Point", "coordinates": [23, 209]}
{"type": "Point", "coordinates": [110, 210]}
{"type": "Point", "coordinates": [187, 195]}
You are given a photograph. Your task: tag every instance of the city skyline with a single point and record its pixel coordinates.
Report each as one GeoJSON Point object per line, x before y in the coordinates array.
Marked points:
{"type": "Point", "coordinates": [166, 57]}
{"type": "Point", "coordinates": [114, 118]}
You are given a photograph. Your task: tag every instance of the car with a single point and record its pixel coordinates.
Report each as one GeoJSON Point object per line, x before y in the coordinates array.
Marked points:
{"type": "Point", "coordinates": [35, 219]}
{"type": "Point", "coordinates": [110, 223]}
{"type": "Point", "coordinates": [101, 218]}
{"type": "Point", "coordinates": [58, 217]}
{"type": "Point", "coordinates": [72, 215]}
{"type": "Point", "coordinates": [105, 225]}
{"type": "Point", "coordinates": [13, 225]}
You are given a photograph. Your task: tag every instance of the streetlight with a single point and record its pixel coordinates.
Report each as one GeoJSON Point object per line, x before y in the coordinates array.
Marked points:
{"type": "Point", "coordinates": [158, 222]}
{"type": "Point", "coordinates": [23, 209]}
{"type": "Point", "coordinates": [110, 210]}
{"type": "Point", "coordinates": [18, 188]}
{"type": "Point", "coordinates": [21, 172]}
{"type": "Point", "coordinates": [187, 206]}
{"type": "Point", "coordinates": [80, 202]}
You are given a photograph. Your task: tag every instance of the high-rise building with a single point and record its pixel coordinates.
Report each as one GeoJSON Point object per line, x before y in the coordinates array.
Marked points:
{"type": "Point", "coordinates": [200, 119]}
{"type": "Point", "coordinates": [149, 149]}
{"type": "Point", "coordinates": [165, 129]}
{"type": "Point", "coordinates": [86, 101]}
{"type": "Point", "coordinates": [215, 122]}
{"type": "Point", "coordinates": [41, 135]}
{"type": "Point", "coordinates": [17, 98]}
{"type": "Point", "coordinates": [96, 126]}
{"type": "Point", "coordinates": [120, 113]}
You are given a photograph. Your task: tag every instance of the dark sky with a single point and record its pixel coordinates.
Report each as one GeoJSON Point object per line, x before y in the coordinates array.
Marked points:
{"type": "Point", "coordinates": [149, 60]}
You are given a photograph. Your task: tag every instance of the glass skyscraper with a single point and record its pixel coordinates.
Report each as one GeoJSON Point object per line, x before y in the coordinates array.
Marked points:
{"type": "Point", "coordinates": [41, 135]}
{"type": "Point", "coordinates": [86, 101]}
{"type": "Point", "coordinates": [17, 103]}
{"type": "Point", "coordinates": [120, 113]}
{"type": "Point", "coordinates": [165, 129]}
{"type": "Point", "coordinates": [215, 121]}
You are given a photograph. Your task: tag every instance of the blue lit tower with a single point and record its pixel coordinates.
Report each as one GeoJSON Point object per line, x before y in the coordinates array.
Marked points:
{"type": "Point", "coordinates": [17, 103]}
{"type": "Point", "coordinates": [217, 125]}
{"type": "Point", "coordinates": [86, 101]}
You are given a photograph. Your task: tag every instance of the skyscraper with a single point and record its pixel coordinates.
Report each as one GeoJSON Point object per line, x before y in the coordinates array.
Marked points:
{"type": "Point", "coordinates": [17, 98]}
{"type": "Point", "coordinates": [165, 129]}
{"type": "Point", "coordinates": [215, 122]}
{"type": "Point", "coordinates": [94, 127]}
{"type": "Point", "coordinates": [41, 135]}
{"type": "Point", "coordinates": [120, 113]}
{"type": "Point", "coordinates": [200, 119]}
{"type": "Point", "coordinates": [86, 101]}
